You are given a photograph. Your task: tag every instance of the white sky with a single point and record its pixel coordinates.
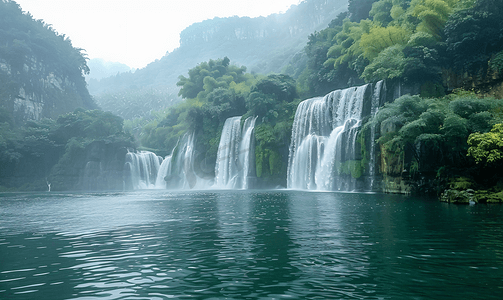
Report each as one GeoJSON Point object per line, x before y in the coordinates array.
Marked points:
{"type": "Point", "coordinates": [137, 32]}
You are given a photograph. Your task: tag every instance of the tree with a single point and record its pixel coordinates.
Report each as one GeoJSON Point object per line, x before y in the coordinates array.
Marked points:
{"type": "Point", "coordinates": [359, 9]}
{"type": "Point", "coordinates": [389, 64]}
{"type": "Point", "coordinates": [380, 38]}
{"type": "Point", "coordinates": [381, 12]}
{"type": "Point", "coordinates": [208, 76]}
{"type": "Point", "coordinates": [474, 34]}
{"type": "Point", "coordinates": [281, 86]}
{"type": "Point", "coordinates": [487, 147]}
{"type": "Point", "coordinates": [433, 14]}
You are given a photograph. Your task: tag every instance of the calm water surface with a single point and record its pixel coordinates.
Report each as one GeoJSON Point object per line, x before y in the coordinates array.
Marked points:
{"type": "Point", "coordinates": [247, 245]}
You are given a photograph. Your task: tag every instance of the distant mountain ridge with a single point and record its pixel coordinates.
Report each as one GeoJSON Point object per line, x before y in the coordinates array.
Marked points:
{"type": "Point", "coordinates": [101, 69]}
{"type": "Point", "coordinates": [263, 45]}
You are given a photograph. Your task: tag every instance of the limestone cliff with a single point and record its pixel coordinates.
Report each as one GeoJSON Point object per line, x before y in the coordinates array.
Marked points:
{"type": "Point", "coordinates": [41, 73]}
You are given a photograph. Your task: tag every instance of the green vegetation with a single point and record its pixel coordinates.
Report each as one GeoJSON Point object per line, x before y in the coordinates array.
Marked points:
{"type": "Point", "coordinates": [40, 65]}
{"type": "Point", "coordinates": [487, 147]}
{"type": "Point", "coordinates": [134, 104]}
{"type": "Point", "coordinates": [56, 151]}
{"type": "Point", "coordinates": [410, 40]}
{"type": "Point", "coordinates": [216, 90]}
{"type": "Point", "coordinates": [438, 133]}
{"type": "Point", "coordinates": [454, 138]}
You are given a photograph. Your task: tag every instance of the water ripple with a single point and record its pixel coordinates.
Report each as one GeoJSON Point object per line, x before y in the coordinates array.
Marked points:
{"type": "Point", "coordinates": [247, 245]}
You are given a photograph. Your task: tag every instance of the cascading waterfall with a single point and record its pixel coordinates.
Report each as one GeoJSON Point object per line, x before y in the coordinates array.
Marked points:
{"type": "Point", "coordinates": [247, 151]}
{"type": "Point", "coordinates": [164, 170]}
{"type": "Point", "coordinates": [226, 166]}
{"type": "Point", "coordinates": [177, 170]}
{"type": "Point", "coordinates": [184, 163]}
{"type": "Point", "coordinates": [143, 167]}
{"type": "Point", "coordinates": [145, 170]}
{"type": "Point", "coordinates": [324, 140]}
{"type": "Point", "coordinates": [375, 104]}
{"type": "Point", "coordinates": [235, 156]}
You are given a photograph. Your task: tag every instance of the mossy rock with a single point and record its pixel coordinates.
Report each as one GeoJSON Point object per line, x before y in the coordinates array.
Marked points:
{"type": "Point", "coordinates": [458, 197]}
{"type": "Point", "coordinates": [484, 196]}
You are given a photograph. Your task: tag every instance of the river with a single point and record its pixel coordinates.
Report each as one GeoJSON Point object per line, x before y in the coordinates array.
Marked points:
{"type": "Point", "coordinates": [158, 244]}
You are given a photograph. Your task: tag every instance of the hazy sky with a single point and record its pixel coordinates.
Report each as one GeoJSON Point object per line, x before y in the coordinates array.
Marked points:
{"type": "Point", "coordinates": [137, 32]}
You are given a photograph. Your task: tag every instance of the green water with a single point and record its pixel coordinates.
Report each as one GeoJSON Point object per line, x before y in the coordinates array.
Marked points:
{"type": "Point", "coordinates": [247, 245]}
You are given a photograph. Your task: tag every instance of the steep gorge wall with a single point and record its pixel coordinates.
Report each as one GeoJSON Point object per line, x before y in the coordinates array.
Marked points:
{"type": "Point", "coordinates": [41, 73]}
{"type": "Point", "coordinates": [33, 92]}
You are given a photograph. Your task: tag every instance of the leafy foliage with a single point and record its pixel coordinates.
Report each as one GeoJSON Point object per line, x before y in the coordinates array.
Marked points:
{"type": "Point", "coordinates": [54, 150]}
{"type": "Point", "coordinates": [410, 40]}
{"type": "Point", "coordinates": [221, 90]}
{"type": "Point", "coordinates": [487, 147]}
{"type": "Point", "coordinates": [474, 34]}
{"type": "Point", "coordinates": [439, 132]}
{"type": "Point", "coordinates": [208, 76]}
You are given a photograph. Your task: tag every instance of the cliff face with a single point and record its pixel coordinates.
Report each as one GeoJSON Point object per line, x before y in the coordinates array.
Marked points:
{"type": "Point", "coordinates": [298, 21]}
{"type": "Point", "coordinates": [41, 73]}
{"type": "Point", "coordinates": [35, 93]}
{"type": "Point", "coordinates": [485, 81]}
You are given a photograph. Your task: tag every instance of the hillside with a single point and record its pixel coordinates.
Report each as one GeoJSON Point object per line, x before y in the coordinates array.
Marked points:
{"type": "Point", "coordinates": [41, 73]}
{"type": "Point", "coordinates": [264, 45]}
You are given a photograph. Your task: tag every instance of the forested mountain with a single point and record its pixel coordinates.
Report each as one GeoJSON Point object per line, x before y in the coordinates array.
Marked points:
{"type": "Point", "coordinates": [263, 45]}
{"type": "Point", "coordinates": [41, 73]}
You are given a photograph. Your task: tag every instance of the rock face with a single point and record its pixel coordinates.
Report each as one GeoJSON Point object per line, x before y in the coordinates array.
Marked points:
{"type": "Point", "coordinates": [35, 92]}
{"type": "Point", "coordinates": [41, 73]}
{"type": "Point", "coordinates": [299, 20]}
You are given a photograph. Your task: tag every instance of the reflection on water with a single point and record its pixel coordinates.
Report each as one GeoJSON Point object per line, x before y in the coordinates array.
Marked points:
{"type": "Point", "coordinates": [247, 245]}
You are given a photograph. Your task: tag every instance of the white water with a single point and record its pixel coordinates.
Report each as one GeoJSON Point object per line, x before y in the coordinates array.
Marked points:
{"type": "Point", "coordinates": [144, 166]}
{"type": "Point", "coordinates": [373, 112]}
{"type": "Point", "coordinates": [247, 151]}
{"type": "Point", "coordinates": [324, 135]}
{"type": "Point", "coordinates": [235, 156]}
{"type": "Point", "coordinates": [164, 170]}
{"type": "Point", "coordinates": [184, 166]}
{"type": "Point", "coordinates": [149, 171]}
{"type": "Point", "coordinates": [178, 168]}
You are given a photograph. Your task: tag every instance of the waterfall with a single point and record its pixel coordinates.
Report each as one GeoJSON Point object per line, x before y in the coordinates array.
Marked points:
{"type": "Point", "coordinates": [247, 151]}
{"type": "Point", "coordinates": [235, 156]}
{"type": "Point", "coordinates": [142, 167]}
{"type": "Point", "coordinates": [179, 167]}
{"type": "Point", "coordinates": [145, 170]}
{"type": "Point", "coordinates": [164, 170]}
{"type": "Point", "coordinates": [185, 163]}
{"type": "Point", "coordinates": [324, 144]}
{"type": "Point", "coordinates": [375, 104]}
